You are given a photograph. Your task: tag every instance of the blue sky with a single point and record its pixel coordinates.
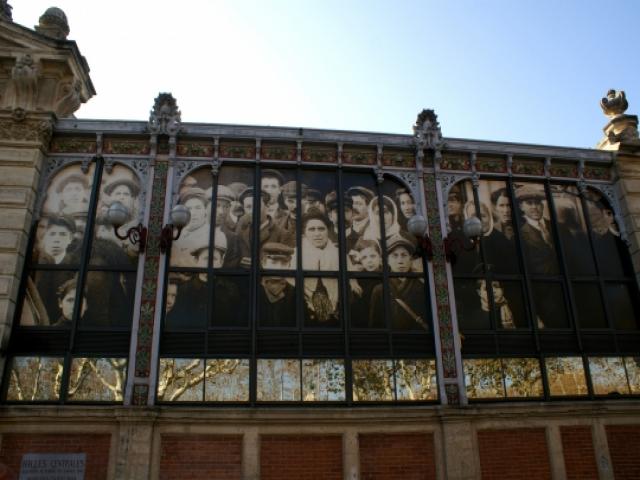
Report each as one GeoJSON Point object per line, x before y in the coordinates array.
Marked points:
{"type": "Point", "coordinates": [519, 71]}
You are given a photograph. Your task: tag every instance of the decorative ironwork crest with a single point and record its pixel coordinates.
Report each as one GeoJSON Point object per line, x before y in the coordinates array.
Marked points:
{"type": "Point", "coordinates": [426, 131]}
{"type": "Point", "coordinates": [165, 116]}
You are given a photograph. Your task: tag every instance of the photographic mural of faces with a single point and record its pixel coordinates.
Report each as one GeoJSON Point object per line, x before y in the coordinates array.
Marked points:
{"type": "Point", "coordinates": [121, 185]}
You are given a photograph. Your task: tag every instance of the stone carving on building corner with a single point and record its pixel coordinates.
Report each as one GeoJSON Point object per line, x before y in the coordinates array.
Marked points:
{"type": "Point", "coordinates": [622, 128]}
{"type": "Point", "coordinates": [26, 130]}
{"type": "Point", "coordinates": [69, 99]}
{"type": "Point", "coordinates": [23, 89]}
{"type": "Point", "coordinates": [5, 11]}
{"type": "Point", "coordinates": [165, 116]}
{"type": "Point", "coordinates": [426, 132]}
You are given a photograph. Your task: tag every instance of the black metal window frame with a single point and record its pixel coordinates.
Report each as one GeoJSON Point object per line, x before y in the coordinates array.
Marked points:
{"type": "Point", "coordinates": [186, 348]}
{"type": "Point", "coordinates": [77, 341]}
{"type": "Point", "coordinates": [534, 342]}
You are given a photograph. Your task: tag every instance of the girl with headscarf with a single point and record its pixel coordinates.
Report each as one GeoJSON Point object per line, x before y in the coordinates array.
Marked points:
{"type": "Point", "coordinates": [390, 214]}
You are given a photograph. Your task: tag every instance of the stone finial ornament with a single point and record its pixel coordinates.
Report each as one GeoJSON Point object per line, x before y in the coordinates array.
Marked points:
{"type": "Point", "coordinates": [426, 131]}
{"type": "Point", "coordinates": [615, 103]}
{"type": "Point", "coordinates": [622, 129]}
{"type": "Point", "coordinates": [5, 11]}
{"type": "Point", "coordinates": [165, 116]}
{"type": "Point", "coordinates": [53, 23]}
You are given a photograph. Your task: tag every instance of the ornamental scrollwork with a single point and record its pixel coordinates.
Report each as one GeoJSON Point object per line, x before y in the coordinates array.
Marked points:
{"type": "Point", "coordinates": [411, 182]}
{"type": "Point", "coordinates": [446, 182]}
{"type": "Point", "coordinates": [426, 131]}
{"type": "Point", "coordinates": [165, 116]}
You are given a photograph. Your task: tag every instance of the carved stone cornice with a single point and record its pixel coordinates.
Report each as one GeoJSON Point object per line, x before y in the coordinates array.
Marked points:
{"type": "Point", "coordinates": [19, 128]}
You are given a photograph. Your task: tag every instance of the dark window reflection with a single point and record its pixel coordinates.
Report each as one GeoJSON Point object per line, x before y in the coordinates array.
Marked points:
{"type": "Point", "coordinates": [473, 312]}
{"type": "Point", "coordinates": [277, 302]}
{"type": "Point", "coordinates": [572, 231]}
{"type": "Point", "coordinates": [508, 303]}
{"type": "Point", "coordinates": [367, 310]}
{"type": "Point", "coordinates": [610, 250]}
{"type": "Point", "coordinates": [589, 305]}
{"type": "Point", "coordinates": [231, 305]}
{"type": "Point", "coordinates": [549, 305]}
{"type": "Point", "coordinates": [535, 229]}
{"type": "Point", "coordinates": [622, 300]}
{"type": "Point", "coordinates": [109, 299]}
{"type": "Point", "coordinates": [186, 305]}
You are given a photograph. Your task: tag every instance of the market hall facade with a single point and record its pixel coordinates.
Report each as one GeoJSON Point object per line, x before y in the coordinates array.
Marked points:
{"type": "Point", "coordinates": [225, 301]}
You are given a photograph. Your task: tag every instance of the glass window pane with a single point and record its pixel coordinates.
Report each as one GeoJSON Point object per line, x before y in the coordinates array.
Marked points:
{"type": "Point", "coordinates": [522, 377]}
{"type": "Point", "coordinates": [461, 206]}
{"type": "Point", "coordinates": [471, 308]}
{"type": "Point", "coordinates": [498, 240]}
{"type": "Point", "coordinates": [535, 229]}
{"type": "Point", "coordinates": [321, 302]}
{"type": "Point", "coordinates": [416, 380]}
{"type": "Point", "coordinates": [608, 375]}
{"type": "Point", "coordinates": [180, 380]}
{"type": "Point", "coordinates": [195, 194]}
{"type": "Point", "coordinates": [622, 300]}
{"type": "Point", "coordinates": [508, 303]}
{"type": "Point", "coordinates": [365, 256]}
{"type": "Point", "coordinates": [589, 305]}
{"type": "Point", "coordinates": [186, 305]}
{"type": "Point", "coordinates": [405, 204]}
{"type": "Point", "coordinates": [109, 298]}
{"type": "Point", "coordinates": [35, 379]}
{"type": "Point", "coordinates": [319, 249]}
{"type": "Point", "coordinates": [227, 380]}
{"type": "Point", "coordinates": [565, 376]}
{"type": "Point", "coordinates": [366, 305]}
{"type": "Point", "coordinates": [611, 252]}
{"type": "Point", "coordinates": [372, 380]}
{"type": "Point", "coordinates": [323, 380]}
{"type": "Point", "coordinates": [277, 302]}
{"type": "Point", "coordinates": [408, 304]}
{"type": "Point", "coordinates": [278, 215]}
{"type": "Point", "coordinates": [278, 380]}
{"type": "Point", "coordinates": [64, 216]}
{"type": "Point", "coordinates": [361, 192]}
{"type": "Point", "coordinates": [232, 236]}
{"type": "Point", "coordinates": [231, 305]}
{"type": "Point", "coordinates": [121, 185]}
{"type": "Point", "coordinates": [483, 378]}
{"type": "Point", "coordinates": [572, 230]}
{"type": "Point", "coordinates": [49, 299]}
{"type": "Point", "coordinates": [632, 365]}
{"type": "Point", "coordinates": [97, 379]}
{"type": "Point", "coordinates": [550, 305]}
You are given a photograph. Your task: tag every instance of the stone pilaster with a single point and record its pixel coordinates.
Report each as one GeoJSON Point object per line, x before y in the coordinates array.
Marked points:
{"type": "Point", "coordinates": [621, 137]}
{"type": "Point", "coordinates": [41, 79]}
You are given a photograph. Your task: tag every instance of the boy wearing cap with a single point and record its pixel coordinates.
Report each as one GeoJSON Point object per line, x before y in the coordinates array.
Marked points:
{"type": "Point", "coordinates": [58, 235]}
{"type": "Point", "coordinates": [198, 227]}
{"type": "Point", "coordinates": [361, 198]}
{"type": "Point", "coordinates": [73, 192]}
{"type": "Point", "coordinates": [407, 294]}
{"type": "Point", "coordinates": [277, 299]}
{"type": "Point", "coordinates": [287, 223]}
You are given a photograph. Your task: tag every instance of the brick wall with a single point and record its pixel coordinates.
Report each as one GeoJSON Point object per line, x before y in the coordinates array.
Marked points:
{"type": "Point", "coordinates": [624, 448]}
{"type": "Point", "coordinates": [298, 457]}
{"type": "Point", "coordinates": [393, 456]}
{"type": "Point", "coordinates": [518, 454]}
{"type": "Point", "coordinates": [215, 457]}
{"type": "Point", "coordinates": [96, 447]}
{"type": "Point", "coordinates": [579, 455]}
